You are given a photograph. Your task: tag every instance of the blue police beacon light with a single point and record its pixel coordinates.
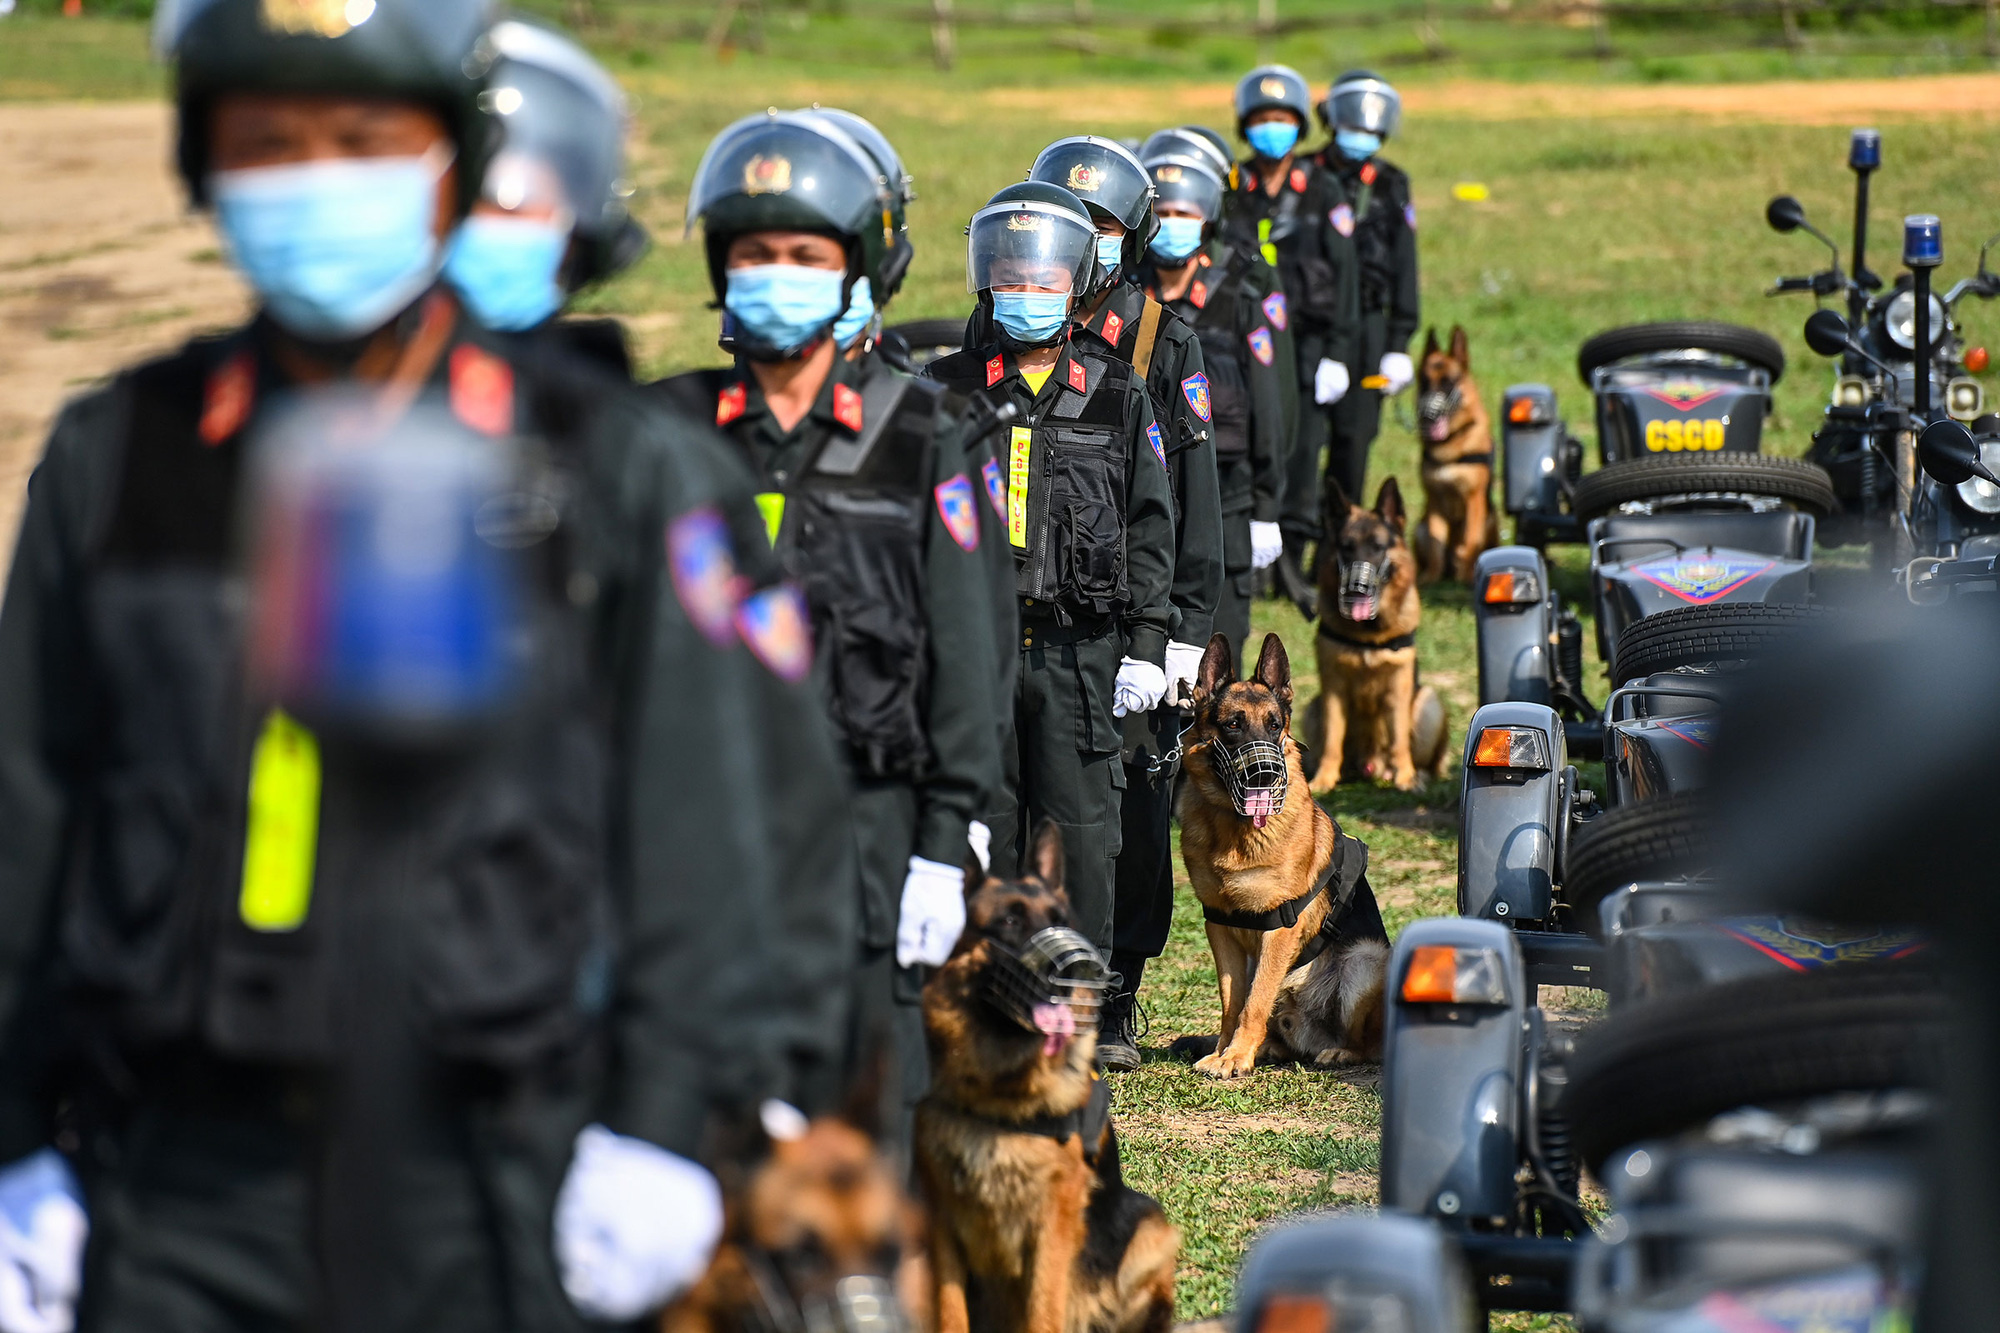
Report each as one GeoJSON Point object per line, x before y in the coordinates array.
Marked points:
{"type": "Point", "coordinates": [1864, 150]}
{"type": "Point", "coordinates": [1923, 240]}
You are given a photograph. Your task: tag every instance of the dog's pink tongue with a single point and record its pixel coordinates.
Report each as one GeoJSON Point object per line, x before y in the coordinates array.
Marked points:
{"type": "Point", "coordinates": [1056, 1024]}
{"type": "Point", "coordinates": [1438, 429]}
{"type": "Point", "coordinates": [1260, 805]}
{"type": "Point", "coordinates": [1360, 608]}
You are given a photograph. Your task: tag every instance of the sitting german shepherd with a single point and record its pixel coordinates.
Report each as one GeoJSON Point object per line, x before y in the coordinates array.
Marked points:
{"type": "Point", "coordinates": [1459, 521]}
{"type": "Point", "coordinates": [1300, 952]}
{"type": "Point", "coordinates": [1033, 1229]}
{"type": "Point", "coordinates": [1372, 719]}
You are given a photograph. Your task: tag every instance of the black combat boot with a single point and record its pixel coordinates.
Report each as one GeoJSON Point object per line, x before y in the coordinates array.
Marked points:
{"type": "Point", "coordinates": [1293, 580]}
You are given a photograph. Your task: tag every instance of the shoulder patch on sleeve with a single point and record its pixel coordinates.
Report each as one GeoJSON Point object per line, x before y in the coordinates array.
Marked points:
{"type": "Point", "coordinates": [1342, 218]}
{"type": "Point", "coordinates": [955, 506]}
{"type": "Point", "coordinates": [704, 572]}
{"type": "Point", "coordinates": [1153, 438]}
{"type": "Point", "coordinates": [1410, 215]}
{"type": "Point", "coordinates": [1195, 387]}
{"type": "Point", "coordinates": [1274, 310]}
{"type": "Point", "coordinates": [777, 630]}
{"type": "Point", "coordinates": [1260, 345]}
{"type": "Point", "coordinates": [996, 486]}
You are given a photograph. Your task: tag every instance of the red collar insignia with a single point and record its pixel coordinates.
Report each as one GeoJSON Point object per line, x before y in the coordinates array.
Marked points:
{"type": "Point", "coordinates": [1249, 180]}
{"type": "Point", "coordinates": [1199, 294]}
{"type": "Point", "coordinates": [994, 370]}
{"type": "Point", "coordinates": [731, 403]}
{"type": "Point", "coordinates": [1367, 173]}
{"type": "Point", "coordinates": [1298, 180]}
{"type": "Point", "coordinates": [482, 390]}
{"type": "Point", "coordinates": [1077, 379]}
{"type": "Point", "coordinates": [1113, 326]}
{"type": "Point", "coordinates": [226, 403]}
{"type": "Point", "coordinates": [1203, 259]}
{"type": "Point", "coordinates": [847, 407]}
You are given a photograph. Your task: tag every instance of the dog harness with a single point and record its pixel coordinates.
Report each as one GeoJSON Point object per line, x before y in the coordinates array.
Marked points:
{"type": "Point", "coordinates": [1347, 865]}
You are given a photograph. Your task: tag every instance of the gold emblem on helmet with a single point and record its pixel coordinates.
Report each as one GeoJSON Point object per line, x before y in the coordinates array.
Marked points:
{"type": "Point", "coordinates": [316, 18]}
{"type": "Point", "coordinates": [767, 175]}
{"type": "Point", "coordinates": [1272, 87]}
{"type": "Point", "coordinates": [1169, 175]}
{"type": "Point", "coordinates": [1083, 176]}
{"type": "Point", "coordinates": [1027, 222]}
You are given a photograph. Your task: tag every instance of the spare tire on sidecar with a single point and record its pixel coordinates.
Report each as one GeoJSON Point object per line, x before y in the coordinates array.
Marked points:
{"type": "Point", "coordinates": [1803, 485]}
{"type": "Point", "coordinates": [1720, 632]}
{"type": "Point", "coordinates": [1697, 335]}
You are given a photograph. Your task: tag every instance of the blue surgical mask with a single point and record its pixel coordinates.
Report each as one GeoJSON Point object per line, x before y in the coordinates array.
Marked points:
{"type": "Point", "coordinates": [1033, 319]}
{"type": "Point", "coordinates": [1272, 138]}
{"type": "Point", "coordinates": [784, 306]}
{"type": "Point", "coordinates": [506, 270]}
{"type": "Point", "coordinates": [1357, 145]}
{"type": "Point", "coordinates": [860, 310]}
{"type": "Point", "coordinates": [335, 249]}
{"type": "Point", "coordinates": [1110, 251]}
{"type": "Point", "coordinates": [1178, 238]}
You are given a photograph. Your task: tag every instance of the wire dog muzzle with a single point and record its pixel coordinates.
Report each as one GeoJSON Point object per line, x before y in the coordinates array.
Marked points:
{"type": "Point", "coordinates": [859, 1303]}
{"type": "Point", "coordinates": [1055, 985]}
{"type": "Point", "coordinates": [1435, 410]}
{"type": "Point", "coordinates": [1360, 590]}
{"type": "Point", "coordinates": [1256, 775]}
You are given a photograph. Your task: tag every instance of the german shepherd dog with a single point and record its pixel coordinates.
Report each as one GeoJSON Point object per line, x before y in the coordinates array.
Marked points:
{"type": "Point", "coordinates": [818, 1233]}
{"type": "Point", "coordinates": [1459, 520]}
{"type": "Point", "coordinates": [1033, 1229]}
{"type": "Point", "coordinates": [1372, 719]}
{"type": "Point", "coordinates": [1253, 839]}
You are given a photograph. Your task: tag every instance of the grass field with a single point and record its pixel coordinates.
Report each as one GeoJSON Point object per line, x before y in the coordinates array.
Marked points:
{"type": "Point", "coordinates": [1590, 221]}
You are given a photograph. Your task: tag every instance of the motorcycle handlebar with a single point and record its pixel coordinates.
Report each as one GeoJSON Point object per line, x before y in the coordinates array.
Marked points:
{"type": "Point", "coordinates": [1791, 285]}
{"type": "Point", "coordinates": [1828, 283]}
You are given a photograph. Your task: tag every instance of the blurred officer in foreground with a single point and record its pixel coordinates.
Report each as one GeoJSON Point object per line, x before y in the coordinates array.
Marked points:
{"type": "Point", "coordinates": [1362, 112]}
{"type": "Point", "coordinates": [867, 497]}
{"type": "Point", "coordinates": [1303, 222]}
{"type": "Point", "coordinates": [1089, 518]}
{"type": "Point", "coordinates": [401, 754]}
{"type": "Point", "coordinates": [1163, 351]}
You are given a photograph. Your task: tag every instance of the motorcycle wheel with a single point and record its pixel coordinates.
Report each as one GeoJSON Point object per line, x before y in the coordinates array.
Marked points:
{"type": "Point", "coordinates": [1804, 485]}
{"type": "Point", "coordinates": [1673, 1063]}
{"type": "Point", "coordinates": [1723, 632]}
{"type": "Point", "coordinates": [1702, 335]}
{"type": "Point", "coordinates": [1649, 840]}
{"type": "Point", "coordinates": [928, 339]}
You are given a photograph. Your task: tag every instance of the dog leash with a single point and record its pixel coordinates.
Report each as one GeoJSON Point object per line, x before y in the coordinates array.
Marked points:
{"type": "Point", "coordinates": [1162, 762]}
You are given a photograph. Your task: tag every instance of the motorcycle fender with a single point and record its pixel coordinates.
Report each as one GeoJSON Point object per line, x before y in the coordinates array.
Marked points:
{"type": "Point", "coordinates": [1531, 442]}
{"type": "Point", "coordinates": [1514, 638]}
{"type": "Point", "coordinates": [1509, 820]}
{"type": "Point", "coordinates": [1360, 1257]}
{"type": "Point", "coordinates": [1451, 1084]}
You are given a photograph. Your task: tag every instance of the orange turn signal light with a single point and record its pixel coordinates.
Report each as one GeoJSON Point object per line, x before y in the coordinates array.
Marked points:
{"type": "Point", "coordinates": [1442, 974]}
{"type": "Point", "coordinates": [1511, 747]}
{"type": "Point", "coordinates": [1521, 411]}
{"type": "Point", "coordinates": [1295, 1314]}
{"type": "Point", "coordinates": [1500, 587]}
{"type": "Point", "coordinates": [1976, 360]}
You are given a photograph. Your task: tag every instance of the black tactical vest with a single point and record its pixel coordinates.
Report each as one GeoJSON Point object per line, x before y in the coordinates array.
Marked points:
{"type": "Point", "coordinates": [853, 536]}
{"type": "Point", "coordinates": [469, 880]}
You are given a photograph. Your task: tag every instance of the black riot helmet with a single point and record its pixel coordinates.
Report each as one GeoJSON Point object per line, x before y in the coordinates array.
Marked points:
{"type": "Point", "coordinates": [1112, 183]}
{"type": "Point", "coordinates": [1033, 233]}
{"type": "Point", "coordinates": [431, 52]}
{"type": "Point", "coordinates": [1273, 86]}
{"type": "Point", "coordinates": [564, 122]}
{"type": "Point", "coordinates": [1362, 100]}
{"type": "Point", "coordinates": [1189, 181]}
{"type": "Point", "coordinates": [902, 189]}
{"type": "Point", "coordinates": [792, 171]}
{"type": "Point", "coordinates": [1187, 142]}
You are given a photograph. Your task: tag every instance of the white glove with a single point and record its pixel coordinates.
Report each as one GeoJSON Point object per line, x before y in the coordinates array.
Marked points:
{"type": "Point", "coordinates": [42, 1232]}
{"type": "Point", "coordinates": [1397, 369]}
{"type": "Point", "coordinates": [980, 839]}
{"type": "Point", "coordinates": [1267, 543]}
{"type": "Point", "coordinates": [1329, 382]}
{"type": "Point", "coordinates": [1139, 688]}
{"type": "Point", "coordinates": [1183, 666]}
{"type": "Point", "coordinates": [932, 915]}
{"type": "Point", "coordinates": [635, 1224]}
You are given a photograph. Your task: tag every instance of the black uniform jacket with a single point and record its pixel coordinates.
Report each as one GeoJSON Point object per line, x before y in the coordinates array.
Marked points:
{"type": "Point", "coordinates": [1385, 242]}
{"type": "Point", "coordinates": [1308, 227]}
{"type": "Point", "coordinates": [597, 864]}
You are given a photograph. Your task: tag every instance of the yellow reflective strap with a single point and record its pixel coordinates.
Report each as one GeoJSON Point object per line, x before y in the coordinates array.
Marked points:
{"type": "Point", "coordinates": [1017, 485]}
{"type": "Point", "coordinates": [282, 840]}
{"type": "Point", "coordinates": [771, 504]}
{"type": "Point", "coordinates": [1264, 242]}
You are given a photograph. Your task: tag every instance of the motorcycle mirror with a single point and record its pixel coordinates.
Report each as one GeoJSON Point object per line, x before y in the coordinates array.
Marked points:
{"type": "Point", "coordinates": [1826, 333]}
{"type": "Point", "coordinates": [1991, 241]}
{"type": "Point", "coordinates": [1950, 455]}
{"type": "Point", "coordinates": [1785, 213]}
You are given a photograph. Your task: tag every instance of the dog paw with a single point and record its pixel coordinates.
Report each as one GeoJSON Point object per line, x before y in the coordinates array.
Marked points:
{"type": "Point", "coordinates": [1232, 1063]}
{"type": "Point", "coordinates": [1406, 781]}
{"type": "Point", "coordinates": [1336, 1058]}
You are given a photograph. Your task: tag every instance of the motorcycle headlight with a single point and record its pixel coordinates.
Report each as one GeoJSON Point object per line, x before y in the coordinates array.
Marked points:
{"type": "Point", "coordinates": [1901, 319]}
{"type": "Point", "coordinates": [1978, 493]}
{"type": "Point", "coordinates": [1964, 399]}
{"type": "Point", "coordinates": [1850, 391]}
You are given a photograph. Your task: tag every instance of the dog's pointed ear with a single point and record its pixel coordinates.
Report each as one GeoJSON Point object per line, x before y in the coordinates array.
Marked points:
{"type": "Point", "coordinates": [1274, 669]}
{"type": "Point", "coordinates": [1389, 505]}
{"type": "Point", "coordinates": [1218, 669]}
{"type": "Point", "coordinates": [1461, 350]}
{"type": "Point", "coordinates": [1046, 861]}
{"type": "Point", "coordinates": [1430, 343]}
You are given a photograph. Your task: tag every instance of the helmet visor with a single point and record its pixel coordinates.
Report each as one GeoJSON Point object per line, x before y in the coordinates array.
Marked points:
{"type": "Point", "coordinates": [1370, 105]}
{"type": "Point", "coordinates": [1028, 245]}
{"type": "Point", "coordinates": [555, 133]}
{"type": "Point", "coordinates": [804, 160]}
{"type": "Point", "coordinates": [1189, 184]}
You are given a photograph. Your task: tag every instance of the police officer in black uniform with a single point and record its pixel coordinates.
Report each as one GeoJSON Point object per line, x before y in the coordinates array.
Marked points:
{"type": "Point", "coordinates": [1088, 507]}
{"type": "Point", "coordinates": [385, 889]}
{"type": "Point", "coordinates": [872, 507]}
{"type": "Point", "coordinates": [1302, 220]}
{"type": "Point", "coordinates": [1362, 112]}
{"type": "Point", "coordinates": [1114, 186]}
